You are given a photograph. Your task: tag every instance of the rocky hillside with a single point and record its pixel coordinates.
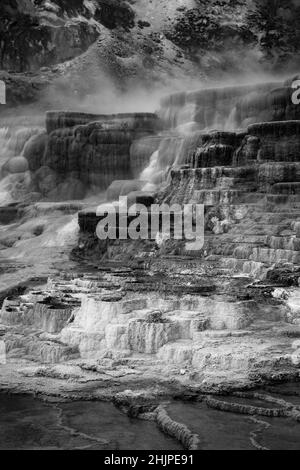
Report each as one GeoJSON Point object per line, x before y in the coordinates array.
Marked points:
{"type": "Point", "coordinates": [77, 44]}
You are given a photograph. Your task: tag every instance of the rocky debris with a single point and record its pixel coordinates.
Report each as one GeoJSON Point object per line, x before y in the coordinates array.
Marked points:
{"type": "Point", "coordinates": [206, 27]}
{"type": "Point", "coordinates": [285, 275]}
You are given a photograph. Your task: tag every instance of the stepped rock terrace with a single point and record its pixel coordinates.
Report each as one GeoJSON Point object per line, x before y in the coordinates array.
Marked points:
{"type": "Point", "coordinates": [148, 316]}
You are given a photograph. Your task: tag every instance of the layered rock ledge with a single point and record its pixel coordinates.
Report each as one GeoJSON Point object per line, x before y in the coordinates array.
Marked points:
{"type": "Point", "coordinates": [82, 153]}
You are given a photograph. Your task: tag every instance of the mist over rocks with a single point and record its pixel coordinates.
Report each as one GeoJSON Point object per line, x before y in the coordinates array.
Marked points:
{"type": "Point", "coordinates": [70, 51]}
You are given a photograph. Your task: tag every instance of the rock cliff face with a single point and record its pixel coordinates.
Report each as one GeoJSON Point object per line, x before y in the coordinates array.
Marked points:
{"type": "Point", "coordinates": [37, 34]}
{"type": "Point", "coordinates": [195, 27]}
{"type": "Point", "coordinates": [69, 46]}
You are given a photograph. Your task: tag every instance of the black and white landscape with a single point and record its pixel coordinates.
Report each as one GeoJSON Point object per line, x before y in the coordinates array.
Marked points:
{"type": "Point", "coordinates": [149, 343]}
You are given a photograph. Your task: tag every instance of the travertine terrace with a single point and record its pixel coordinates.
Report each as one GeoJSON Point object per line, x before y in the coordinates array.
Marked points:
{"type": "Point", "coordinates": [225, 318]}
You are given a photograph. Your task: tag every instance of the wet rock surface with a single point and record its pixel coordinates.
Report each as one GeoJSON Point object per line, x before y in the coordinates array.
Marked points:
{"type": "Point", "coordinates": [77, 425]}
{"type": "Point", "coordinates": [83, 152]}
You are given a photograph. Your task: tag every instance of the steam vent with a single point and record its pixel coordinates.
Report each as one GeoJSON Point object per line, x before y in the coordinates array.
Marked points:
{"type": "Point", "coordinates": [140, 322]}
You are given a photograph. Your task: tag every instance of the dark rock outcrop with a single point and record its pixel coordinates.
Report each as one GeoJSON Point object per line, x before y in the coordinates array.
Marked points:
{"type": "Point", "coordinates": [82, 152]}
{"type": "Point", "coordinates": [39, 34]}
{"type": "Point", "coordinates": [10, 213]}
{"type": "Point", "coordinates": [146, 122]}
{"type": "Point", "coordinates": [217, 149]}
{"type": "Point", "coordinates": [36, 35]}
